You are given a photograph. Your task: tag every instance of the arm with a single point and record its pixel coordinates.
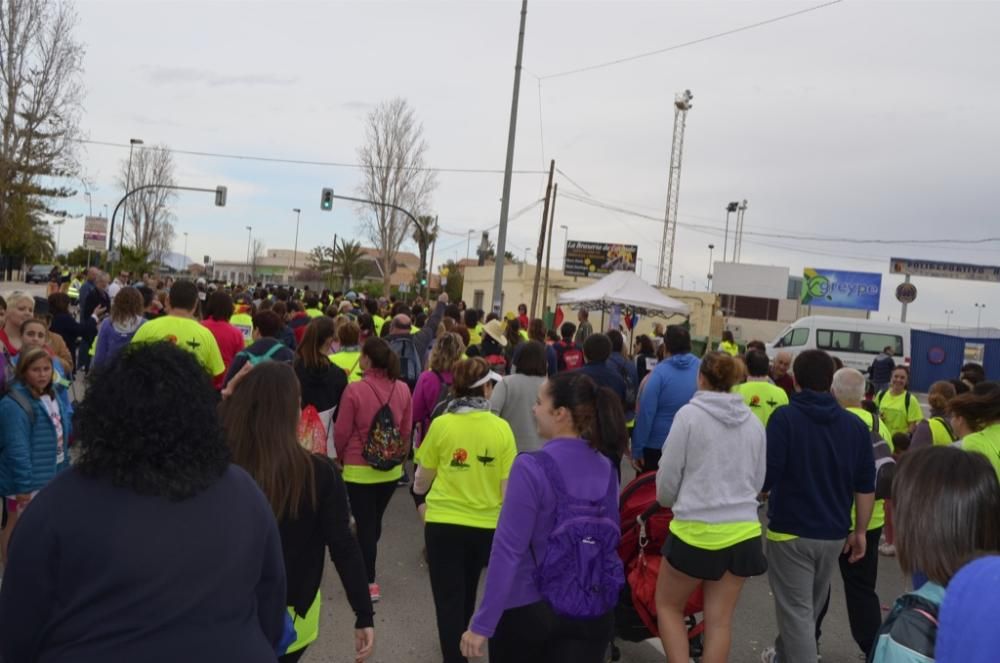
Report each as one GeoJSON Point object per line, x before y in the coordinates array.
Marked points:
{"type": "Point", "coordinates": [422, 339]}
{"type": "Point", "coordinates": [234, 368]}
{"type": "Point", "coordinates": [422, 398]}
{"type": "Point", "coordinates": [15, 434]}
{"type": "Point", "coordinates": [423, 478]}
{"type": "Point", "coordinates": [344, 549]}
{"type": "Point", "coordinates": [922, 436]}
{"type": "Point", "coordinates": [271, 587]}
{"type": "Point", "coordinates": [671, 471]}
{"type": "Point", "coordinates": [343, 430]}
{"type": "Point", "coordinates": [510, 545]}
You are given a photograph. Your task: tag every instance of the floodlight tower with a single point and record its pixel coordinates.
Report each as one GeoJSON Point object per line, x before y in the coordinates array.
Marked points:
{"type": "Point", "coordinates": [682, 104]}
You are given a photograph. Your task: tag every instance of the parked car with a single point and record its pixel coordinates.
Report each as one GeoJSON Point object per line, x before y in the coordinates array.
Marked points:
{"type": "Point", "coordinates": [855, 341]}
{"type": "Point", "coordinates": [38, 274]}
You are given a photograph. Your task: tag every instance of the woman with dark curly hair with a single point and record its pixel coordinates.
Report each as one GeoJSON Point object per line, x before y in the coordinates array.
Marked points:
{"type": "Point", "coordinates": [152, 547]}
{"type": "Point", "coordinates": [307, 497]}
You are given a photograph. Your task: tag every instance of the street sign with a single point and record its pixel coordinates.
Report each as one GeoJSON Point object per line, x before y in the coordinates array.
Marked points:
{"type": "Point", "coordinates": [95, 233]}
{"type": "Point", "coordinates": [944, 270]}
{"type": "Point", "coordinates": [598, 259]}
{"type": "Point", "coordinates": [906, 293]}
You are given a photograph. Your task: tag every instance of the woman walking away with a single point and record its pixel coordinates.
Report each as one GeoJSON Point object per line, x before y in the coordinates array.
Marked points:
{"type": "Point", "coordinates": [348, 357]}
{"type": "Point", "coordinates": [712, 469]}
{"type": "Point", "coordinates": [117, 330]}
{"type": "Point", "coordinates": [218, 310]}
{"type": "Point", "coordinates": [898, 408]}
{"type": "Point", "coordinates": [33, 436]}
{"type": "Point", "coordinates": [513, 398]}
{"type": "Point", "coordinates": [462, 470]}
{"type": "Point", "coordinates": [372, 436]}
{"type": "Point", "coordinates": [320, 382]}
{"type": "Point", "coordinates": [976, 416]}
{"type": "Point", "coordinates": [645, 356]}
{"type": "Point", "coordinates": [175, 554]}
{"type": "Point", "coordinates": [936, 430]}
{"type": "Point", "coordinates": [945, 504]}
{"type": "Point", "coordinates": [307, 497]}
{"type": "Point", "coordinates": [434, 385]}
{"type": "Point", "coordinates": [531, 610]}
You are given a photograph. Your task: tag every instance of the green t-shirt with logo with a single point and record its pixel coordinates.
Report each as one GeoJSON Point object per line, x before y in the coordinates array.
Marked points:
{"type": "Point", "coordinates": [472, 453]}
{"type": "Point", "coordinates": [986, 442]}
{"type": "Point", "coordinates": [186, 334]}
{"type": "Point", "coordinates": [763, 398]}
{"type": "Point", "coordinates": [893, 411]}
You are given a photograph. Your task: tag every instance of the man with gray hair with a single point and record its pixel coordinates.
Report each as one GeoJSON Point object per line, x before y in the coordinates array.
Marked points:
{"type": "Point", "coordinates": [860, 577]}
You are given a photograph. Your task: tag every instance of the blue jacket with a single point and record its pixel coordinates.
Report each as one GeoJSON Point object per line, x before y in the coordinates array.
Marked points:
{"type": "Point", "coordinates": [605, 374]}
{"type": "Point", "coordinates": [28, 452]}
{"type": "Point", "coordinates": [818, 456]}
{"type": "Point", "coordinates": [671, 385]}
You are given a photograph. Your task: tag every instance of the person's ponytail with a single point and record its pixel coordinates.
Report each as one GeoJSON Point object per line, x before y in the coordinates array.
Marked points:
{"type": "Point", "coordinates": [596, 411]}
{"type": "Point", "coordinates": [610, 436]}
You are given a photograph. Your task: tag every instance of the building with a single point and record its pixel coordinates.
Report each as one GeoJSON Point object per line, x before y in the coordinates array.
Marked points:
{"type": "Point", "coordinates": [518, 281]}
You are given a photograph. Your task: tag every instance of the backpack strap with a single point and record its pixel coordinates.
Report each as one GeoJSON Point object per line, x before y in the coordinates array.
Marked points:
{"type": "Point", "coordinates": [381, 403]}
{"type": "Point", "coordinates": [25, 404]}
{"type": "Point", "coordinates": [947, 427]}
{"type": "Point", "coordinates": [878, 397]}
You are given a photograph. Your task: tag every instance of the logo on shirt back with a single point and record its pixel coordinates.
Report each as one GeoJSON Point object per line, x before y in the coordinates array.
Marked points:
{"type": "Point", "coordinates": [458, 458]}
{"type": "Point", "coordinates": [487, 459]}
{"type": "Point", "coordinates": [754, 401]}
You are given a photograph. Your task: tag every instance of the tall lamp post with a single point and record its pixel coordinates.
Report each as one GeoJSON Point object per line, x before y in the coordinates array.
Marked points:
{"type": "Point", "coordinates": [730, 208]}
{"type": "Point", "coordinates": [59, 225]}
{"type": "Point", "coordinates": [185, 251]}
{"type": "Point", "coordinates": [132, 142]}
{"type": "Point", "coordinates": [295, 251]}
{"type": "Point", "coordinates": [979, 317]}
{"type": "Point", "coordinates": [249, 268]}
{"type": "Point", "coordinates": [708, 283]}
{"type": "Point", "coordinates": [947, 318]}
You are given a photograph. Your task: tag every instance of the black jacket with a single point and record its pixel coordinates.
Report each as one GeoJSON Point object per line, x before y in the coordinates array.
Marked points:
{"type": "Point", "coordinates": [307, 537]}
{"type": "Point", "coordinates": [100, 574]}
{"type": "Point", "coordinates": [321, 387]}
{"type": "Point", "coordinates": [259, 349]}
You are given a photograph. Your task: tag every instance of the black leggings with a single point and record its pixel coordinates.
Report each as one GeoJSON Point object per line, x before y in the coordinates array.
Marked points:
{"type": "Point", "coordinates": [368, 504]}
{"type": "Point", "coordinates": [534, 634]}
{"type": "Point", "coordinates": [293, 657]}
{"type": "Point", "coordinates": [456, 555]}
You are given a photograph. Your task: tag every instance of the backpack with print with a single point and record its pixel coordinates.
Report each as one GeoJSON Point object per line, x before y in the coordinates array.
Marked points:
{"type": "Point", "coordinates": [572, 357]}
{"type": "Point", "coordinates": [580, 574]}
{"type": "Point", "coordinates": [384, 448]}
{"type": "Point", "coordinates": [409, 361]}
{"type": "Point", "coordinates": [254, 360]}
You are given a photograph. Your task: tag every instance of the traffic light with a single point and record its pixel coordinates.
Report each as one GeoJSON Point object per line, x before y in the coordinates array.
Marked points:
{"type": "Point", "coordinates": [220, 196]}
{"type": "Point", "coordinates": [423, 278]}
{"type": "Point", "coordinates": [326, 201]}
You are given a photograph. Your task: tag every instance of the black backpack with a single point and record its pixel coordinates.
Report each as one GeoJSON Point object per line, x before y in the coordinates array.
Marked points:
{"type": "Point", "coordinates": [409, 361]}
{"type": "Point", "coordinates": [384, 448]}
{"type": "Point", "coordinates": [885, 464]}
{"type": "Point", "coordinates": [912, 624]}
{"type": "Point", "coordinates": [443, 398]}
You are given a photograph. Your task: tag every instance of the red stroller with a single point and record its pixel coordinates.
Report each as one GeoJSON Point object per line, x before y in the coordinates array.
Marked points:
{"type": "Point", "coordinates": [645, 525]}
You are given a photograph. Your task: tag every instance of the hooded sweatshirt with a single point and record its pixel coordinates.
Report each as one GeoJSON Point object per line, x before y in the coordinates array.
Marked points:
{"type": "Point", "coordinates": [818, 456]}
{"type": "Point", "coordinates": [714, 461]}
{"type": "Point", "coordinates": [670, 386]}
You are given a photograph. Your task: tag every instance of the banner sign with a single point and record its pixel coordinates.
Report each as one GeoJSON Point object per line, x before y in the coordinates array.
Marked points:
{"type": "Point", "coordinates": [598, 259]}
{"type": "Point", "coordinates": [944, 269]}
{"type": "Point", "coordinates": [837, 289]}
{"type": "Point", "coordinates": [95, 233]}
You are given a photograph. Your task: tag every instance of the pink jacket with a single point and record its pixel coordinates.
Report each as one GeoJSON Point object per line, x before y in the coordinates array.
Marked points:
{"type": "Point", "coordinates": [358, 405]}
{"type": "Point", "coordinates": [425, 396]}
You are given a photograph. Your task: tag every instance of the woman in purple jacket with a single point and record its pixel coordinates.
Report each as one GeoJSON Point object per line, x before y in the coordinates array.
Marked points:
{"type": "Point", "coordinates": [117, 330]}
{"type": "Point", "coordinates": [584, 424]}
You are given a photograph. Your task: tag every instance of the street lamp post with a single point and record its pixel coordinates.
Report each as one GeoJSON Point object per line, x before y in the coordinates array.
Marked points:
{"type": "Point", "coordinates": [708, 283]}
{"type": "Point", "coordinates": [947, 319]}
{"type": "Point", "coordinates": [185, 251]}
{"type": "Point", "coordinates": [526, 252]}
{"type": "Point", "coordinates": [979, 317]}
{"type": "Point", "coordinates": [468, 244]}
{"type": "Point", "coordinates": [105, 210]}
{"type": "Point", "coordinates": [249, 268]}
{"type": "Point", "coordinates": [730, 208]}
{"type": "Point", "coordinates": [58, 224]}
{"type": "Point", "coordinates": [295, 251]}
{"type": "Point", "coordinates": [132, 142]}
{"type": "Point", "coordinates": [90, 202]}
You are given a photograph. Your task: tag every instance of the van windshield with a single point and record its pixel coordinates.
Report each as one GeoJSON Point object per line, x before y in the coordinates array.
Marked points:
{"type": "Point", "coordinates": [794, 337]}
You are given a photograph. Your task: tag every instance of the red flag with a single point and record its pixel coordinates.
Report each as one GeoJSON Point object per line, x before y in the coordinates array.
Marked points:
{"type": "Point", "coordinates": [557, 322]}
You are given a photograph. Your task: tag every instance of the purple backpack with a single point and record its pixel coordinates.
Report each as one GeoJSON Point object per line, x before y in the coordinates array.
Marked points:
{"type": "Point", "coordinates": [581, 574]}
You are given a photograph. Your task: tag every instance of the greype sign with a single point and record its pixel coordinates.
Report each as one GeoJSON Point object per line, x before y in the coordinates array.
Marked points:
{"type": "Point", "coordinates": [945, 270]}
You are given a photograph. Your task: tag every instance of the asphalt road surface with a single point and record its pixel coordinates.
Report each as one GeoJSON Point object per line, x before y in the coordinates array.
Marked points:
{"type": "Point", "coordinates": [405, 629]}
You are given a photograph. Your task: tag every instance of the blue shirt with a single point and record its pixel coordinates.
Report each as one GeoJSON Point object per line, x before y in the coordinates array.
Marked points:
{"type": "Point", "coordinates": [671, 385]}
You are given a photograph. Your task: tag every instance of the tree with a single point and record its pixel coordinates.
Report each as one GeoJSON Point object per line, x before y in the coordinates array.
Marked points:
{"type": "Point", "coordinates": [40, 104]}
{"type": "Point", "coordinates": [456, 280]}
{"type": "Point", "coordinates": [78, 257]}
{"type": "Point", "coordinates": [348, 259]}
{"type": "Point", "coordinates": [148, 222]}
{"type": "Point", "coordinates": [392, 165]}
{"type": "Point", "coordinates": [255, 253]}
{"type": "Point", "coordinates": [424, 234]}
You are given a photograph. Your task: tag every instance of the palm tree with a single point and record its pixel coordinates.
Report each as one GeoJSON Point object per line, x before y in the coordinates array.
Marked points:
{"type": "Point", "coordinates": [425, 233]}
{"type": "Point", "coordinates": [348, 259]}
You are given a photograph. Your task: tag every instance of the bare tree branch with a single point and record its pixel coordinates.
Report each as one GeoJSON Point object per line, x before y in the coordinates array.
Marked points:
{"type": "Point", "coordinates": [148, 219]}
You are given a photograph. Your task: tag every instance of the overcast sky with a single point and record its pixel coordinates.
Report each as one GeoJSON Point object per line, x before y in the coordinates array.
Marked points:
{"type": "Point", "coordinates": [863, 120]}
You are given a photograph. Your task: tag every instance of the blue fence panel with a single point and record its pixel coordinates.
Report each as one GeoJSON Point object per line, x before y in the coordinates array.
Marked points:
{"type": "Point", "coordinates": [940, 357]}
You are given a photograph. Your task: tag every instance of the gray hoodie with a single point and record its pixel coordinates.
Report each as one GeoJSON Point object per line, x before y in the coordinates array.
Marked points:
{"type": "Point", "coordinates": [714, 461]}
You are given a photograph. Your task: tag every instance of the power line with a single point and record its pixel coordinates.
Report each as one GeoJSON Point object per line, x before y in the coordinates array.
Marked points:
{"type": "Point", "coordinates": [700, 40]}
{"type": "Point", "coordinates": [308, 162]}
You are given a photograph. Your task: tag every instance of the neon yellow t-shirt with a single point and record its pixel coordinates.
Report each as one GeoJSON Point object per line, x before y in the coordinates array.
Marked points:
{"type": "Point", "coordinates": [367, 474]}
{"type": "Point", "coordinates": [244, 323]}
{"type": "Point", "coordinates": [379, 321]}
{"type": "Point", "coordinates": [714, 536]}
{"type": "Point", "coordinates": [476, 335]}
{"type": "Point", "coordinates": [893, 411]}
{"type": "Point", "coordinates": [763, 398]}
{"type": "Point", "coordinates": [186, 334]}
{"type": "Point", "coordinates": [878, 509]}
{"type": "Point", "coordinates": [730, 349]}
{"type": "Point", "coordinates": [313, 312]}
{"type": "Point", "coordinates": [350, 361]}
{"type": "Point", "coordinates": [939, 432]}
{"type": "Point", "coordinates": [986, 442]}
{"type": "Point", "coordinates": [472, 453]}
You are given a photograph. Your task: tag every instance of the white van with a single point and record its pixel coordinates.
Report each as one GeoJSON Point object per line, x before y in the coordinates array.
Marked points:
{"type": "Point", "coordinates": [855, 341]}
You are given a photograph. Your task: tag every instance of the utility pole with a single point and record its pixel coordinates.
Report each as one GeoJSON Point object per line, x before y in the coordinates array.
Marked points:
{"type": "Point", "coordinates": [730, 208]}
{"type": "Point", "coordinates": [740, 214]}
{"type": "Point", "coordinates": [682, 104]}
{"type": "Point", "coordinates": [541, 240]}
{"type": "Point", "coordinates": [548, 247]}
{"type": "Point", "coordinates": [295, 251]}
{"type": "Point", "coordinates": [333, 261]}
{"type": "Point", "coordinates": [430, 265]}
{"type": "Point", "coordinates": [508, 168]}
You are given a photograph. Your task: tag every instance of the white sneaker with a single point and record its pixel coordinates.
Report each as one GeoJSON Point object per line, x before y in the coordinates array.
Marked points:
{"type": "Point", "coordinates": [769, 655]}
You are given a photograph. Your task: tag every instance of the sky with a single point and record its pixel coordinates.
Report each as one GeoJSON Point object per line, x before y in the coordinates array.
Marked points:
{"type": "Point", "coordinates": [873, 121]}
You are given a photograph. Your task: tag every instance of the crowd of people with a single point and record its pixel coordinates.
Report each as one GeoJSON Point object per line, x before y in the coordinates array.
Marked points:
{"type": "Point", "coordinates": [269, 427]}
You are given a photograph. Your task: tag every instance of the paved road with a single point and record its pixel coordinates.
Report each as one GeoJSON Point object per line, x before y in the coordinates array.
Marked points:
{"type": "Point", "coordinates": [406, 631]}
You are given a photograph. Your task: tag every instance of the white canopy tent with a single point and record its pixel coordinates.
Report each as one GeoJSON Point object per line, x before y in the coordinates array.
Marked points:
{"type": "Point", "coordinates": [627, 290]}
